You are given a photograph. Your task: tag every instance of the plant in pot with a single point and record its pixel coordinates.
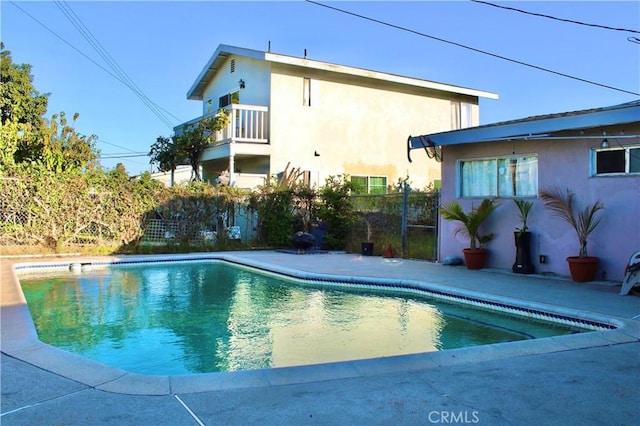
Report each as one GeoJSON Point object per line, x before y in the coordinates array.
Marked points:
{"type": "Point", "coordinates": [522, 236]}
{"type": "Point", "coordinates": [367, 246]}
{"type": "Point", "coordinates": [469, 226]}
{"type": "Point", "coordinates": [582, 267]}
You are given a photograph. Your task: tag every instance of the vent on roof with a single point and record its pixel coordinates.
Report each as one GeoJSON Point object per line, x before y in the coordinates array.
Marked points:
{"type": "Point", "coordinates": [233, 65]}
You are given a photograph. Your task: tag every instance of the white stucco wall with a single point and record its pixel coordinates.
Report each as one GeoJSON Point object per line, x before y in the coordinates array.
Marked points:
{"type": "Point", "coordinates": [255, 74]}
{"type": "Point", "coordinates": [566, 164]}
{"type": "Point", "coordinates": [358, 124]}
{"type": "Point", "coordinates": [181, 175]}
{"type": "Point", "coordinates": [358, 127]}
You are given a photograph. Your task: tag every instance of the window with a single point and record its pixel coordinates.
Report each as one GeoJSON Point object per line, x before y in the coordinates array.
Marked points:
{"type": "Point", "coordinates": [616, 161]}
{"type": "Point", "coordinates": [369, 184]}
{"type": "Point", "coordinates": [228, 99]}
{"type": "Point", "coordinates": [306, 91]}
{"type": "Point", "coordinates": [461, 115]}
{"type": "Point", "coordinates": [499, 177]}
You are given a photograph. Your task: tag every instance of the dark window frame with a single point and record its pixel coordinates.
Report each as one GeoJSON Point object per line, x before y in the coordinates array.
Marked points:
{"type": "Point", "coordinates": [615, 161]}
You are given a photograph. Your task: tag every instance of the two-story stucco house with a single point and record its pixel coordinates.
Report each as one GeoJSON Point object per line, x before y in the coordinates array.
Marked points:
{"type": "Point", "coordinates": [594, 153]}
{"type": "Point", "coordinates": [323, 118]}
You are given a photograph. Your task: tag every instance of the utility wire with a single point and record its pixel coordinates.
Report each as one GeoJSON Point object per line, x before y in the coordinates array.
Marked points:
{"type": "Point", "coordinates": [104, 54]}
{"type": "Point", "coordinates": [108, 59]}
{"type": "Point", "coordinates": [471, 48]}
{"type": "Point", "coordinates": [114, 145]}
{"type": "Point", "coordinates": [83, 54]}
{"type": "Point", "coordinates": [553, 17]}
{"type": "Point", "coordinates": [118, 155]}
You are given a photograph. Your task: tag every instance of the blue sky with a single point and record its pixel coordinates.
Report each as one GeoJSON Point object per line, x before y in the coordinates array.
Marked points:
{"type": "Point", "coordinates": [163, 46]}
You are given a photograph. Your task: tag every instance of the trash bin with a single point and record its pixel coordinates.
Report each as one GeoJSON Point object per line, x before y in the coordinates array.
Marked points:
{"type": "Point", "coordinates": [367, 249]}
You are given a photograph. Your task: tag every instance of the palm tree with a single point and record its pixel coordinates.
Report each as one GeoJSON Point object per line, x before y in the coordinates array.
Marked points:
{"type": "Point", "coordinates": [583, 222]}
{"type": "Point", "coordinates": [470, 222]}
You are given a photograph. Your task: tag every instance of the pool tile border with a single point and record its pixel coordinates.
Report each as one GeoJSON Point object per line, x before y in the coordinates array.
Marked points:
{"type": "Point", "coordinates": [607, 331]}
{"type": "Point", "coordinates": [405, 286]}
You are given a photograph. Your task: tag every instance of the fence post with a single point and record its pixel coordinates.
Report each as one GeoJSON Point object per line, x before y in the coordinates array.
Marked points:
{"type": "Point", "coordinates": [405, 209]}
{"type": "Point", "coordinates": [436, 226]}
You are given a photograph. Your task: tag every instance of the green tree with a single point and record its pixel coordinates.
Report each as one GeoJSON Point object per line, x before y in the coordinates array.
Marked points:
{"type": "Point", "coordinates": [187, 146]}
{"type": "Point", "coordinates": [196, 138]}
{"type": "Point", "coordinates": [57, 146]}
{"type": "Point", "coordinates": [19, 101]}
{"type": "Point", "coordinates": [337, 210]}
{"type": "Point", "coordinates": [12, 135]}
{"type": "Point", "coordinates": [164, 154]}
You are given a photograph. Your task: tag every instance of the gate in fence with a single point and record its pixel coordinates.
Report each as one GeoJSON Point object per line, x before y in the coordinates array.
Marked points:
{"type": "Point", "coordinates": [407, 221]}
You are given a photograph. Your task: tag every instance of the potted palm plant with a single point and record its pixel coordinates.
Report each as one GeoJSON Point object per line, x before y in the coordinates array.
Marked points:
{"type": "Point", "coordinates": [522, 236]}
{"type": "Point", "coordinates": [469, 226]}
{"type": "Point", "coordinates": [582, 267]}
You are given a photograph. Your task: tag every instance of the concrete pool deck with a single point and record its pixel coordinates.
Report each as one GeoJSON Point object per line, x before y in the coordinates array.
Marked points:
{"type": "Point", "coordinates": [589, 378]}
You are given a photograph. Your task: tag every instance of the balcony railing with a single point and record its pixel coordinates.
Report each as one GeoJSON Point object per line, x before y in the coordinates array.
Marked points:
{"type": "Point", "coordinates": [247, 123]}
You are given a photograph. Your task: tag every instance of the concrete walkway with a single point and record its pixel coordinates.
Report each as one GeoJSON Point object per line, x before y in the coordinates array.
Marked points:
{"type": "Point", "coordinates": [589, 378]}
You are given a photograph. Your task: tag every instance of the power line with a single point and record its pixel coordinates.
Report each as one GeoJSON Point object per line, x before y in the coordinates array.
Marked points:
{"type": "Point", "coordinates": [472, 48]}
{"type": "Point", "coordinates": [114, 145]}
{"type": "Point", "coordinates": [120, 155]}
{"type": "Point", "coordinates": [553, 17]}
{"type": "Point", "coordinates": [86, 56]}
{"type": "Point", "coordinates": [108, 59]}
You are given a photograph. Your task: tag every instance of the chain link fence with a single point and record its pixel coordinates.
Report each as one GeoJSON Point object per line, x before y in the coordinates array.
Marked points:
{"type": "Point", "coordinates": [405, 221]}
{"type": "Point", "coordinates": [64, 215]}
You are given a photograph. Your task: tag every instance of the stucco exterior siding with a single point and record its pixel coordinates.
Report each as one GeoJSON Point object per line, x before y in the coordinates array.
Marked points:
{"type": "Point", "coordinates": [565, 163]}
{"type": "Point", "coordinates": [357, 123]}
{"type": "Point", "coordinates": [253, 72]}
{"type": "Point", "coordinates": [357, 129]}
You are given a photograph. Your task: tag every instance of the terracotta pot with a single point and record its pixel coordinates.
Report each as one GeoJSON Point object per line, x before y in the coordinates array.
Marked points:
{"type": "Point", "coordinates": [474, 259]}
{"type": "Point", "coordinates": [582, 269]}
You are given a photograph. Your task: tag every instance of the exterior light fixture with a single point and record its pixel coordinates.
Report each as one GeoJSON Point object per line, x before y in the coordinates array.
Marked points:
{"type": "Point", "coordinates": [605, 141]}
{"type": "Point", "coordinates": [241, 83]}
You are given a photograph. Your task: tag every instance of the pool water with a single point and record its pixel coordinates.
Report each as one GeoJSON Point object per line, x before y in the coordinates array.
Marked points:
{"type": "Point", "coordinates": [181, 318]}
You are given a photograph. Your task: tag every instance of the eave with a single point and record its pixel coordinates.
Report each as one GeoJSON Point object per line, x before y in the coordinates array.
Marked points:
{"type": "Point", "coordinates": [218, 58]}
{"type": "Point", "coordinates": [533, 127]}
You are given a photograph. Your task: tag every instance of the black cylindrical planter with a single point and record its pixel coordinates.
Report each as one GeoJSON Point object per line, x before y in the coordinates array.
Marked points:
{"type": "Point", "coordinates": [367, 249]}
{"type": "Point", "coordinates": [523, 263]}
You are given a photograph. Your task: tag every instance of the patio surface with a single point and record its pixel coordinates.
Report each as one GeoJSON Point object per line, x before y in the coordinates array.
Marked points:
{"type": "Point", "coordinates": [587, 379]}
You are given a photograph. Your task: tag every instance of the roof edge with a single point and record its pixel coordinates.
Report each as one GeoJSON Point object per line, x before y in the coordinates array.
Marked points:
{"type": "Point", "coordinates": [528, 127]}
{"type": "Point", "coordinates": [224, 50]}
{"type": "Point", "coordinates": [379, 75]}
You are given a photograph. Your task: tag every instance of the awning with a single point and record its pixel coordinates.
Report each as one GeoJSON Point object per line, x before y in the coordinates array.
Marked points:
{"type": "Point", "coordinates": [433, 151]}
{"type": "Point", "coordinates": [529, 128]}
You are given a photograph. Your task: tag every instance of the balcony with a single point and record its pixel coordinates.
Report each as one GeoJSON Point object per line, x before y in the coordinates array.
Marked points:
{"type": "Point", "coordinates": [247, 123]}
{"type": "Point", "coordinates": [245, 139]}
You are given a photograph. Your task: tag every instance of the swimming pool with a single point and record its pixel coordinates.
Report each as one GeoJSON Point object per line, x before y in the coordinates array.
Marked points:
{"type": "Point", "coordinates": [111, 297]}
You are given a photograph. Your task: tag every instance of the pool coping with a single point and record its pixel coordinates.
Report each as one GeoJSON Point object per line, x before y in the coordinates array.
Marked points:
{"type": "Point", "coordinates": [20, 340]}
